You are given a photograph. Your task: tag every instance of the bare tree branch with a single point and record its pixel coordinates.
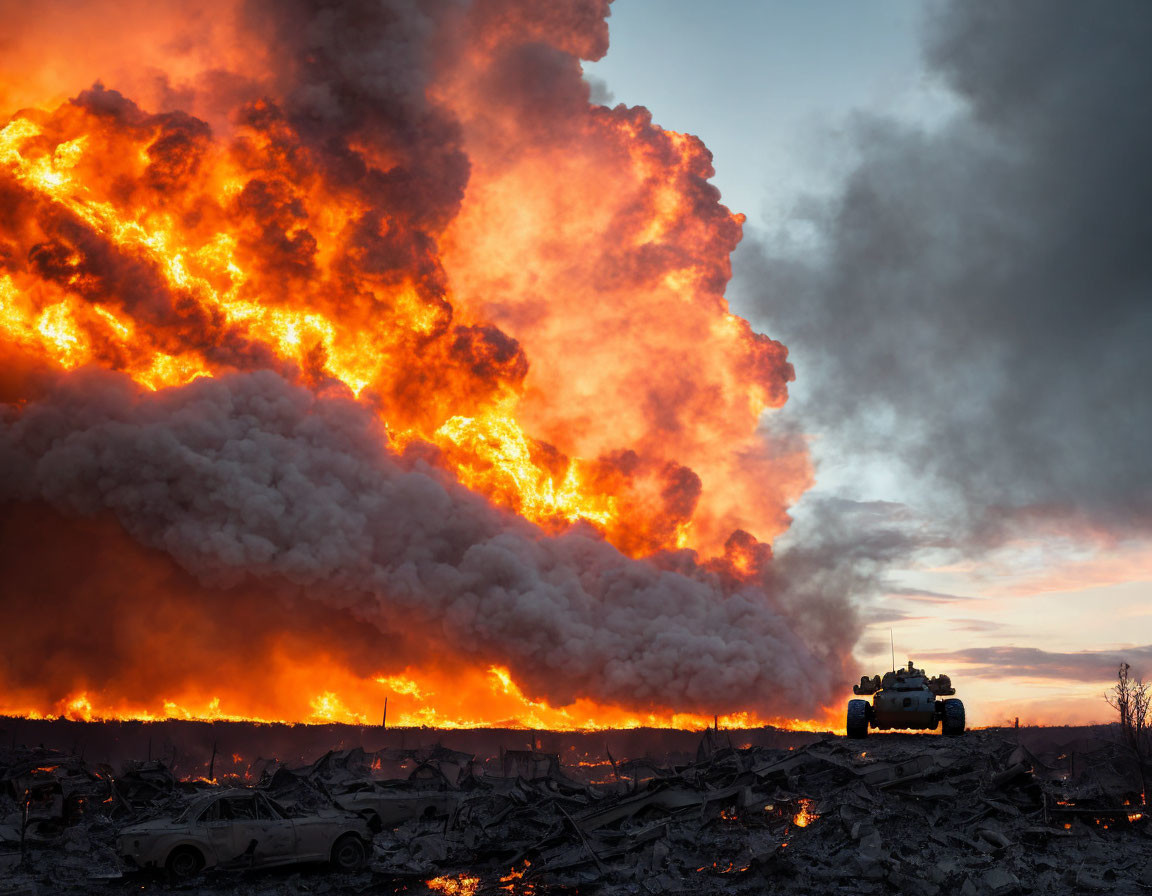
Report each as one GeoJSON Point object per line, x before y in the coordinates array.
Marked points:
{"type": "Point", "coordinates": [1132, 700]}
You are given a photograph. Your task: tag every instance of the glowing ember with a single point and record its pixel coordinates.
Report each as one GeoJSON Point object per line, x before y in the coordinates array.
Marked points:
{"type": "Point", "coordinates": [805, 816]}
{"type": "Point", "coordinates": [454, 886]}
{"type": "Point", "coordinates": [514, 875]}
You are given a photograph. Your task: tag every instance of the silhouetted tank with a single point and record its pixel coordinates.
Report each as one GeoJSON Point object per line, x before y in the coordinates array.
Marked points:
{"type": "Point", "coordinates": [905, 699]}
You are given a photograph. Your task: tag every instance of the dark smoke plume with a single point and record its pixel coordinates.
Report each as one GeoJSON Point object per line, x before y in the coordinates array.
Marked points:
{"type": "Point", "coordinates": [247, 480]}
{"type": "Point", "coordinates": [981, 308]}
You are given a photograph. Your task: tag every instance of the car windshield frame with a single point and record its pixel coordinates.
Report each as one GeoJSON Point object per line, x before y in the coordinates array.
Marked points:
{"type": "Point", "coordinates": [274, 809]}
{"type": "Point", "coordinates": [195, 810]}
{"type": "Point", "coordinates": [277, 810]}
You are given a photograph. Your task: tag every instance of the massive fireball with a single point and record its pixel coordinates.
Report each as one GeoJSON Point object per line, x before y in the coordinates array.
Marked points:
{"type": "Point", "coordinates": [326, 252]}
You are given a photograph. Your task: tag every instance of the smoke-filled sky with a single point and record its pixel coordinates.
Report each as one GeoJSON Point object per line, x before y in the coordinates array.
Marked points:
{"type": "Point", "coordinates": [950, 209]}
{"type": "Point", "coordinates": [370, 350]}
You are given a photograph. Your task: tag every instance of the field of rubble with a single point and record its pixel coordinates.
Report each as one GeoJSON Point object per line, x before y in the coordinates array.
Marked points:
{"type": "Point", "coordinates": [995, 811]}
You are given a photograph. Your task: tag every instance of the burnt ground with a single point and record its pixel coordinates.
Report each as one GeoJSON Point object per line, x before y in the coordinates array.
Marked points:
{"type": "Point", "coordinates": [994, 811]}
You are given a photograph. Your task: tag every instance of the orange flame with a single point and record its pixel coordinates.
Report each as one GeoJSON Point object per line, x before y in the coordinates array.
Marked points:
{"type": "Point", "coordinates": [514, 875]}
{"type": "Point", "coordinates": [454, 886]}
{"type": "Point", "coordinates": [64, 313]}
{"type": "Point", "coordinates": [805, 816]}
{"type": "Point", "coordinates": [472, 703]}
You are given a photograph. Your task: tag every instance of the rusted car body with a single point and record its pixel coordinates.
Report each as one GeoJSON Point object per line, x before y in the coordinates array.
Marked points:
{"type": "Point", "coordinates": [243, 829]}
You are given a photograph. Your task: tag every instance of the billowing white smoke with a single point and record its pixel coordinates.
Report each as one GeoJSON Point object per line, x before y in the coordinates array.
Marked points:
{"type": "Point", "coordinates": [250, 476]}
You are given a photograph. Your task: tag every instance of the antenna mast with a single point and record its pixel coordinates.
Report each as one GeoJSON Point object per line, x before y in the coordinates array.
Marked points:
{"type": "Point", "coordinates": [892, 644]}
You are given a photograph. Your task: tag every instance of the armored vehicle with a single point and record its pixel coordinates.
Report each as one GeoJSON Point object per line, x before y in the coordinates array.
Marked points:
{"type": "Point", "coordinates": [905, 698]}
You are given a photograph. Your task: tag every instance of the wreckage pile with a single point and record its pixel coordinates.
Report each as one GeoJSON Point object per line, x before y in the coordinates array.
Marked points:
{"type": "Point", "coordinates": [909, 813]}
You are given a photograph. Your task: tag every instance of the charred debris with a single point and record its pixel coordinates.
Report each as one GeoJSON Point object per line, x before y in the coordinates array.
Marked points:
{"type": "Point", "coordinates": [995, 811]}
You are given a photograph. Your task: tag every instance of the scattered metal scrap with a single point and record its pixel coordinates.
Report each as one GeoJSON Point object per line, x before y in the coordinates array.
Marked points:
{"type": "Point", "coordinates": [909, 813]}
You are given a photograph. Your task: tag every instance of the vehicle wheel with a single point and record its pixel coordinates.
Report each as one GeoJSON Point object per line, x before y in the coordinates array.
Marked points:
{"type": "Point", "coordinates": [953, 717]}
{"type": "Point", "coordinates": [349, 853]}
{"type": "Point", "coordinates": [857, 718]}
{"type": "Point", "coordinates": [184, 863]}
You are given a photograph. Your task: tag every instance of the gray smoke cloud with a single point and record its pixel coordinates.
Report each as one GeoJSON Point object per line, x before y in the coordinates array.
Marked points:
{"type": "Point", "coordinates": [1030, 662]}
{"type": "Point", "coordinates": [250, 479]}
{"type": "Point", "coordinates": [981, 306]}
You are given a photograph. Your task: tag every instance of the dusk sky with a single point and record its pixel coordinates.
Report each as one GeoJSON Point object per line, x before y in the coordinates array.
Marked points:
{"type": "Point", "coordinates": [943, 227]}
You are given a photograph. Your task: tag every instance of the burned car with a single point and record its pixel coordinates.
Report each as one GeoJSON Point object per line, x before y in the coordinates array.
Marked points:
{"type": "Point", "coordinates": [386, 807]}
{"type": "Point", "coordinates": [243, 829]}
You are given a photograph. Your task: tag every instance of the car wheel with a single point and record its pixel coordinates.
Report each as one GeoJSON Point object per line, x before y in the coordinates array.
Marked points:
{"type": "Point", "coordinates": [349, 853]}
{"type": "Point", "coordinates": [184, 863]}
